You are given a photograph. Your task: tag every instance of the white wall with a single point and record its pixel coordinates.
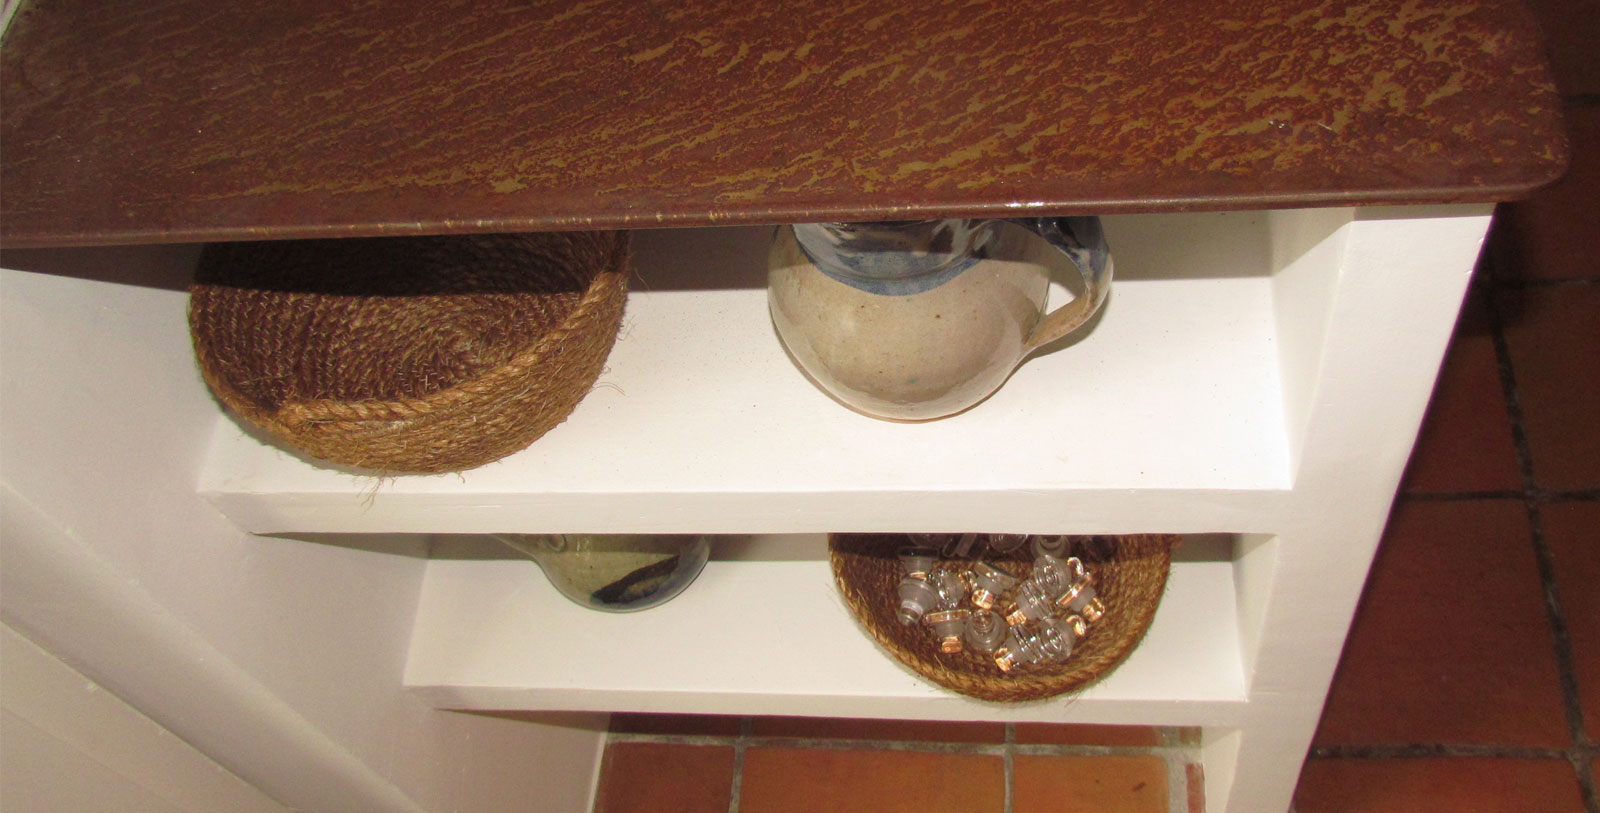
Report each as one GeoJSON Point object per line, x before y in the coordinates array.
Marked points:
{"type": "Point", "coordinates": [279, 658]}
{"type": "Point", "coordinates": [66, 744]}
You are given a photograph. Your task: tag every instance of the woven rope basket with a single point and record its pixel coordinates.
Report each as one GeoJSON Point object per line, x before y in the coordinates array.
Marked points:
{"type": "Point", "coordinates": [1130, 574]}
{"type": "Point", "coordinates": [408, 354]}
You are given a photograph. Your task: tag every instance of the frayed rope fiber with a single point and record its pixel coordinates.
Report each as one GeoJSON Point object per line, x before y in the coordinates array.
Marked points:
{"type": "Point", "coordinates": [408, 355]}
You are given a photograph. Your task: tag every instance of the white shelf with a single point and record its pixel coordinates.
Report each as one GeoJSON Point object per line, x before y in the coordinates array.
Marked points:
{"type": "Point", "coordinates": [772, 637]}
{"type": "Point", "coordinates": [1167, 416]}
{"type": "Point", "coordinates": [1262, 375]}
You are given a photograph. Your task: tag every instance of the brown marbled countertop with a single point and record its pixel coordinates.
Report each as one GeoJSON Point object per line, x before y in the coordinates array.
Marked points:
{"type": "Point", "coordinates": [184, 120]}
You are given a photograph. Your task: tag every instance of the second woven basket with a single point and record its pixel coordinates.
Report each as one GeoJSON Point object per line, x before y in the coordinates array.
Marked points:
{"type": "Point", "coordinates": [1130, 574]}
{"type": "Point", "coordinates": [408, 354]}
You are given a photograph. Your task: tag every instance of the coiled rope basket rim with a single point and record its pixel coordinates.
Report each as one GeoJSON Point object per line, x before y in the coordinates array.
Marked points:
{"type": "Point", "coordinates": [1130, 576]}
{"type": "Point", "coordinates": [408, 355]}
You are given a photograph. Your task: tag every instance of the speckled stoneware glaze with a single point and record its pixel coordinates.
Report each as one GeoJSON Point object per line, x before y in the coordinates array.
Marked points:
{"type": "Point", "coordinates": [921, 320]}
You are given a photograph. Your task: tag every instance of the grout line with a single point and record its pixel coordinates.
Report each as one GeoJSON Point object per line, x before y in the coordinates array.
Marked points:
{"type": "Point", "coordinates": [1177, 781]}
{"type": "Point", "coordinates": [1539, 495]}
{"type": "Point", "coordinates": [1526, 283]}
{"type": "Point", "coordinates": [917, 746]}
{"type": "Point", "coordinates": [923, 746]}
{"type": "Point", "coordinates": [1545, 560]}
{"type": "Point", "coordinates": [1559, 632]}
{"type": "Point", "coordinates": [1446, 496]}
{"type": "Point", "coordinates": [1420, 751]}
{"type": "Point", "coordinates": [676, 739]}
{"type": "Point", "coordinates": [1586, 780]}
{"type": "Point", "coordinates": [746, 727]}
{"type": "Point", "coordinates": [1584, 495]}
{"type": "Point", "coordinates": [1580, 757]}
{"type": "Point", "coordinates": [1189, 753]}
{"type": "Point", "coordinates": [1096, 750]}
{"type": "Point", "coordinates": [1009, 760]}
{"type": "Point", "coordinates": [1171, 750]}
{"type": "Point", "coordinates": [1561, 638]}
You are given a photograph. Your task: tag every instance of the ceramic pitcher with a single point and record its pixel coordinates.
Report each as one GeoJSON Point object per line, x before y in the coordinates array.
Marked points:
{"type": "Point", "coordinates": [915, 320]}
{"type": "Point", "coordinates": [615, 573]}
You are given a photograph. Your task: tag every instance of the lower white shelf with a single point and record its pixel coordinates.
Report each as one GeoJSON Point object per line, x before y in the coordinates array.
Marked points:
{"type": "Point", "coordinates": [771, 636]}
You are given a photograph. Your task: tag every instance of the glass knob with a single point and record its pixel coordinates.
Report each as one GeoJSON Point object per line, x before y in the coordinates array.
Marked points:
{"type": "Point", "coordinates": [1053, 546]}
{"type": "Point", "coordinates": [1033, 603]}
{"type": "Point", "coordinates": [985, 631]}
{"type": "Point", "coordinates": [917, 598]}
{"type": "Point", "coordinates": [952, 590]}
{"type": "Point", "coordinates": [1020, 647]}
{"type": "Point", "coordinates": [1006, 543]}
{"type": "Point", "coordinates": [988, 583]}
{"type": "Point", "coordinates": [1057, 636]}
{"type": "Point", "coordinates": [917, 560]}
{"type": "Point", "coordinates": [1080, 599]}
{"type": "Point", "coordinates": [949, 626]}
{"type": "Point", "coordinates": [1052, 575]}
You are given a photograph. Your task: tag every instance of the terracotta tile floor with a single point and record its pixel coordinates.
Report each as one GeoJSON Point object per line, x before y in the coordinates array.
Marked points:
{"type": "Point", "coordinates": [1471, 679]}
{"type": "Point", "coordinates": [779, 764]}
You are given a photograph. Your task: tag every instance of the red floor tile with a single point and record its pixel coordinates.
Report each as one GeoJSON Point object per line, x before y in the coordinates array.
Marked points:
{"type": "Point", "coordinates": [1554, 338]}
{"type": "Point", "coordinates": [1572, 530]}
{"type": "Point", "coordinates": [712, 725]}
{"type": "Point", "coordinates": [1551, 235]}
{"type": "Point", "coordinates": [1112, 735]}
{"type": "Point", "coordinates": [1457, 785]}
{"type": "Point", "coordinates": [649, 777]}
{"type": "Point", "coordinates": [1466, 441]}
{"type": "Point", "coordinates": [1452, 642]}
{"type": "Point", "coordinates": [1075, 784]}
{"type": "Point", "coordinates": [830, 728]}
{"type": "Point", "coordinates": [802, 780]}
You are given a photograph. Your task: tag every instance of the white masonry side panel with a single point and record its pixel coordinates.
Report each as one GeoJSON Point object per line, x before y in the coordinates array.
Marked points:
{"type": "Point", "coordinates": [280, 659]}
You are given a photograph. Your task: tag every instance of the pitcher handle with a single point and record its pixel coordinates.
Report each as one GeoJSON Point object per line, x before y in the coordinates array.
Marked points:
{"type": "Point", "coordinates": [1084, 242]}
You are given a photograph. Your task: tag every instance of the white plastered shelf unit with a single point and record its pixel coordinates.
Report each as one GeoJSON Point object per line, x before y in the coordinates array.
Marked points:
{"type": "Point", "coordinates": [1257, 378]}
